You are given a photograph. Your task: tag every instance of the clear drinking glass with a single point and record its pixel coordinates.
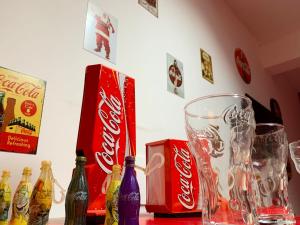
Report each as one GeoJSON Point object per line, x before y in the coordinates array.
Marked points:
{"type": "Point", "coordinates": [269, 159]}
{"type": "Point", "coordinates": [220, 129]}
{"type": "Point", "coordinates": [295, 154]}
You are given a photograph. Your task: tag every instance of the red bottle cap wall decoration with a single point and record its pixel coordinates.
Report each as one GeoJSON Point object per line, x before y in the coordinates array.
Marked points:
{"type": "Point", "coordinates": [242, 65]}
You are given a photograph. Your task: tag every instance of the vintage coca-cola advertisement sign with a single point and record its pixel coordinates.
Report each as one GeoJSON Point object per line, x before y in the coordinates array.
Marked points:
{"type": "Point", "coordinates": [107, 127]}
{"type": "Point", "coordinates": [21, 104]}
{"type": "Point", "coordinates": [174, 188]}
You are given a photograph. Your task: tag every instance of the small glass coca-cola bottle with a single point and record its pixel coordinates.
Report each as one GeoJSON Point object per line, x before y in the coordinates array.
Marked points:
{"type": "Point", "coordinates": [77, 195]}
{"type": "Point", "coordinates": [129, 195]}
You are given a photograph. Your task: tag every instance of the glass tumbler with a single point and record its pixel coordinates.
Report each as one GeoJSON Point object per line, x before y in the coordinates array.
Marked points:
{"type": "Point", "coordinates": [220, 129]}
{"type": "Point", "coordinates": [269, 158]}
{"type": "Point", "coordinates": [295, 154]}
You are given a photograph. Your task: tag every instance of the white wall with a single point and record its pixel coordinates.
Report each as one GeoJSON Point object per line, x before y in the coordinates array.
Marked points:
{"type": "Point", "coordinates": [45, 39]}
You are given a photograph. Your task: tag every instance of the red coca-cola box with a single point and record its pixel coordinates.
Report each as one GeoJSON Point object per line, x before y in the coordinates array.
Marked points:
{"type": "Point", "coordinates": [174, 187]}
{"type": "Point", "coordinates": [107, 131]}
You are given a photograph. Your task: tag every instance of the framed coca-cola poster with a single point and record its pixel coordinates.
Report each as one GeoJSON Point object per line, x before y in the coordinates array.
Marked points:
{"type": "Point", "coordinates": [101, 32]}
{"type": "Point", "coordinates": [175, 79]}
{"type": "Point", "coordinates": [150, 5]}
{"type": "Point", "coordinates": [242, 65]}
{"type": "Point", "coordinates": [21, 104]}
{"type": "Point", "coordinates": [206, 64]}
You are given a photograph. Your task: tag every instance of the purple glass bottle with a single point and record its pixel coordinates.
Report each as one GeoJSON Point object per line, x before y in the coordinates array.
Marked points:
{"type": "Point", "coordinates": [129, 195]}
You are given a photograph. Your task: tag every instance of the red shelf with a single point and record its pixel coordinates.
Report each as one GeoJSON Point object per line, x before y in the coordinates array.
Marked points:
{"type": "Point", "coordinates": [148, 219]}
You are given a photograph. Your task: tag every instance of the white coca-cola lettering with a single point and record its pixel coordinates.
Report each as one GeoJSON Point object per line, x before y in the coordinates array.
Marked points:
{"type": "Point", "coordinates": [111, 130]}
{"type": "Point", "coordinates": [131, 197]}
{"type": "Point", "coordinates": [26, 89]}
{"type": "Point", "coordinates": [182, 162]}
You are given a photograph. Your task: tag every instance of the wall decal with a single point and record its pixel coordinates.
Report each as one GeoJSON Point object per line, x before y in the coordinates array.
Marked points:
{"type": "Point", "coordinates": [206, 64]}
{"type": "Point", "coordinates": [101, 32]}
{"type": "Point", "coordinates": [175, 79]}
{"type": "Point", "coordinates": [150, 5]}
{"type": "Point", "coordinates": [21, 105]}
{"type": "Point", "coordinates": [242, 65]}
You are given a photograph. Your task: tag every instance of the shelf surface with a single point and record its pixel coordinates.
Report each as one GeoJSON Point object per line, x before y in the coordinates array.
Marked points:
{"type": "Point", "coordinates": [148, 219]}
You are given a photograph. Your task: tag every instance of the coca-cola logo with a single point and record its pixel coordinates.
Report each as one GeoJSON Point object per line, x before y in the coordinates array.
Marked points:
{"type": "Point", "coordinates": [80, 196]}
{"type": "Point", "coordinates": [109, 112]}
{"type": "Point", "coordinates": [242, 65]}
{"type": "Point", "coordinates": [131, 197]}
{"type": "Point", "coordinates": [26, 89]}
{"type": "Point", "coordinates": [183, 165]}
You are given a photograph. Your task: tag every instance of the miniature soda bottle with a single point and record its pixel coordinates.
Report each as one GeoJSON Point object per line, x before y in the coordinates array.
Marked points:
{"type": "Point", "coordinates": [41, 198]}
{"type": "Point", "coordinates": [5, 197]}
{"type": "Point", "coordinates": [20, 205]}
{"type": "Point", "coordinates": [129, 195]}
{"type": "Point", "coordinates": [112, 195]}
{"type": "Point", "coordinates": [77, 196]}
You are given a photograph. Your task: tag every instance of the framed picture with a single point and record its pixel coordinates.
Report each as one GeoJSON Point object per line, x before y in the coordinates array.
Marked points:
{"type": "Point", "coordinates": [150, 5]}
{"type": "Point", "coordinates": [101, 32]}
{"type": "Point", "coordinates": [175, 78]}
{"type": "Point", "coordinates": [242, 65]}
{"type": "Point", "coordinates": [206, 64]}
{"type": "Point", "coordinates": [21, 106]}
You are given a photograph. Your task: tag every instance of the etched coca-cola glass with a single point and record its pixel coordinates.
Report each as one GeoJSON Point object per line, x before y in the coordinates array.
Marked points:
{"type": "Point", "coordinates": [295, 154]}
{"type": "Point", "coordinates": [220, 129]}
{"type": "Point", "coordinates": [269, 159]}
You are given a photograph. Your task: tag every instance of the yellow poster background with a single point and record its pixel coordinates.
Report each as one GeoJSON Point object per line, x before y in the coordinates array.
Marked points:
{"type": "Point", "coordinates": [23, 89]}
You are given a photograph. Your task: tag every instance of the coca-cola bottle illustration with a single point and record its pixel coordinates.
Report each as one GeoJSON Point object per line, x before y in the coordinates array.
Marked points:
{"type": "Point", "coordinates": [2, 95]}
{"type": "Point", "coordinates": [9, 112]}
{"type": "Point", "coordinates": [129, 195]}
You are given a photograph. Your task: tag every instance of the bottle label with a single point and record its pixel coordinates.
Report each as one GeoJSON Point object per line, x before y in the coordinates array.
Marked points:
{"type": "Point", "coordinates": [112, 216]}
{"type": "Point", "coordinates": [5, 197]}
{"type": "Point", "coordinates": [21, 202]}
{"type": "Point", "coordinates": [40, 203]}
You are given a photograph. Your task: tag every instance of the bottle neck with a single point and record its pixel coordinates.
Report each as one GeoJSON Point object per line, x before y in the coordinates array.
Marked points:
{"type": "Point", "coordinates": [5, 180]}
{"type": "Point", "coordinates": [46, 173]}
{"type": "Point", "coordinates": [116, 176]}
{"type": "Point", "coordinates": [79, 169]}
{"type": "Point", "coordinates": [26, 178]}
{"type": "Point", "coordinates": [129, 169]}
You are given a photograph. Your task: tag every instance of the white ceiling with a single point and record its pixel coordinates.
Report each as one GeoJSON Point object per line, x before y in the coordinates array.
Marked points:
{"type": "Point", "coordinates": [267, 20]}
{"type": "Point", "coordinates": [270, 20]}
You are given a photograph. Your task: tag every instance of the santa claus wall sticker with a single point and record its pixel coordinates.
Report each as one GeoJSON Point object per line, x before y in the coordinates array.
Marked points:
{"type": "Point", "coordinates": [100, 32]}
{"type": "Point", "coordinates": [175, 79]}
{"type": "Point", "coordinates": [242, 65]}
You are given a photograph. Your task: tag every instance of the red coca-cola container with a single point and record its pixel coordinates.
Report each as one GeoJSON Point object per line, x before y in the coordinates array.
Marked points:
{"type": "Point", "coordinates": [174, 187]}
{"type": "Point", "coordinates": [107, 132]}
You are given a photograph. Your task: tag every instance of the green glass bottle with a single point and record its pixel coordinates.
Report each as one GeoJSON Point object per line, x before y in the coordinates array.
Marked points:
{"type": "Point", "coordinates": [77, 195]}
